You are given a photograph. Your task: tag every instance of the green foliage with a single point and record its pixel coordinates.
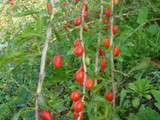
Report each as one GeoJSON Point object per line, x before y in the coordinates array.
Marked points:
{"type": "Point", "coordinates": [145, 114]}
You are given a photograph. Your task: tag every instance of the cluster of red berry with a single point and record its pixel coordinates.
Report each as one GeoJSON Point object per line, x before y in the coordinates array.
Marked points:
{"type": "Point", "coordinates": [77, 21]}
{"type": "Point", "coordinates": [78, 51]}
{"type": "Point", "coordinates": [107, 45]}
{"type": "Point", "coordinates": [80, 74]}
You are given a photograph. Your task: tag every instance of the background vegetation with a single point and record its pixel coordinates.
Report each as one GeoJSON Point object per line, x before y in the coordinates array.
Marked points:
{"type": "Point", "coordinates": [138, 69]}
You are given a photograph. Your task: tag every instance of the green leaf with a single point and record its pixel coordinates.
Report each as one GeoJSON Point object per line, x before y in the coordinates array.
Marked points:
{"type": "Point", "coordinates": [156, 95]}
{"type": "Point", "coordinates": [143, 64]}
{"type": "Point", "coordinates": [145, 114]}
{"type": "Point", "coordinates": [153, 29]}
{"type": "Point", "coordinates": [135, 102]}
{"type": "Point", "coordinates": [16, 116]}
{"type": "Point", "coordinates": [142, 15]}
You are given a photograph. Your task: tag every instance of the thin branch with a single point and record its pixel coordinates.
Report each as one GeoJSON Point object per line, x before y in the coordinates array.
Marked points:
{"type": "Point", "coordinates": [124, 74]}
{"type": "Point", "coordinates": [112, 61]}
{"type": "Point", "coordinates": [83, 57]}
{"type": "Point", "coordinates": [42, 71]}
{"type": "Point", "coordinates": [98, 42]}
{"type": "Point", "coordinates": [97, 52]}
{"type": "Point", "coordinates": [140, 26]}
{"type": "Point", "coordinates": [42, 68]}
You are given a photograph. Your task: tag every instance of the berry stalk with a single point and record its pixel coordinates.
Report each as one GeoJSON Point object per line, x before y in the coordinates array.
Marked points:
{"type": "Point", "coordinates": [112, 60]}
{"type": "Point", "coordinates": [98, 42]}
{"type": "Point", "coordinates": [83, 57]}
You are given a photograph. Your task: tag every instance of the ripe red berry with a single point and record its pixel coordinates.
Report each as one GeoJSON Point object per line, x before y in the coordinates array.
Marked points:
{"type": "Point", "coordinates": [116, 52]}
{"type": "Point", "coordinates": [107, 43]}
{"type": "Point", "coordinates": [78, 106]}
{"type": "Point", "coordinates": [85, 29]}
{"type": "Point", "coordinates": [77, 21]}
{"type": "Point", "coordinates": [109, 96]}
{"type": "Point", "coordinates": [101, 52]}
{"type": "Point", "coordinates": [86, 7]}
{"type": "Point", "coordinates": [57, 61]}
{"type": "Point", "coordinates": [75, 96]}
{"type": "Point", "coordinates": [85, 15]}
{"type": "Point", "coordinates": [89, 84]}
{"type": "Point", "coordinates": [77, 1]}
{"type": "Point", "coordinates": [70, 24]}
{"type": "Point", "coordinates": [11, 2]}
{"type": "Point", "coordinates": [115, 29]}
{"type": "Point", "coordinates": [103, 65]}
{"type": "Point", "coordinates": [79, 76]}
{"type": "Point", "coordinates": [50, 8]}
{"type": "Point", "coordinates": [45, 115]}
{"type": "Point", "coordinates": [78, 51]}
{"type": "Point", "coordinates": [77, 43]}
{"type": "Point", "coordinates": [76, 115]}
{"type": "Point", "coordinates": [65, 4]}
{"type": "Point", "coordinates": [108, 12]}
{"type": "Point", "coordinates": [105, 21]}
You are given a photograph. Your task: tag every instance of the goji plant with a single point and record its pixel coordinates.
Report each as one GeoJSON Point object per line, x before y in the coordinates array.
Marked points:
{"type": "Point", "coordinates": [79, 60]}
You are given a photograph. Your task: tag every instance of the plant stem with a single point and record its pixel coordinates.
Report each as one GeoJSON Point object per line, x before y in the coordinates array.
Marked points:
{"type": "Point", "coordinates": [98, 42]}
{"type": "Point", "coordinates": [42, 71]}
{"type": "Point", "coordinates": [97, 52]}
{"type": "Point", "coordinates": [83, 57]}
{"type": "Point", "coordinates": [42, 66]}
{"type": "Point", "coordinates": [112, 61]}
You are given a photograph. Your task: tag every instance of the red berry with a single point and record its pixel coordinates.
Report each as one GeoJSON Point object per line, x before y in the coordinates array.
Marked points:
{"type": "Point", "coordinates": [11, 2]}
{"type": "Point", "coordinates": [78, 51]}
{"type": "Point", "coordinates": [50, 8]}
{"type": "Point", "coordinates": [45, 115]}
{"type": "Point", "coordinates": [107, 43]}
{"type": "Point", "coordinates": [116, 52]}
{"type": "Point", "coordinates": [75, 96]}
{"type": "Point", "coordinates": [77, 1]}
{"type": "Point", "coordinates": [109, 96]}
{"type": "Point", "coordinates": [103, 65]}
{"type": "Point", "coordinates": [89, 84]}
{"type": "Point", "coordinates": [101, 52]}
{"type": "Point", "coordinates": [85, 30]}
{"type": "Point", "coordinates": [65, 4]}
{"type": "Point", "coordinates": [86, 7]}
{"type": "Point", "coordinates": [78, 106]}
{"type": "Point", "coordinates": [115, 29]}
{"type": "Point", "coordinates": [77, 43]}
{"type": "Point", "coordinates": [105, 21]}
{"type": "Point", "coordinates": [108, 12]}
{"type": "Point", "coordinates": [70, 24]}
{"type": "Point", "coordinates": [76, 115]}
{"type": "Point", "coordinates": [77, 21]}
{"type": "Point", "coordinates": [85, 15]}
{"type": "Point", "coordinates": [79, 76]}
{"type": "Point", "coordinates": [57, 61]}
